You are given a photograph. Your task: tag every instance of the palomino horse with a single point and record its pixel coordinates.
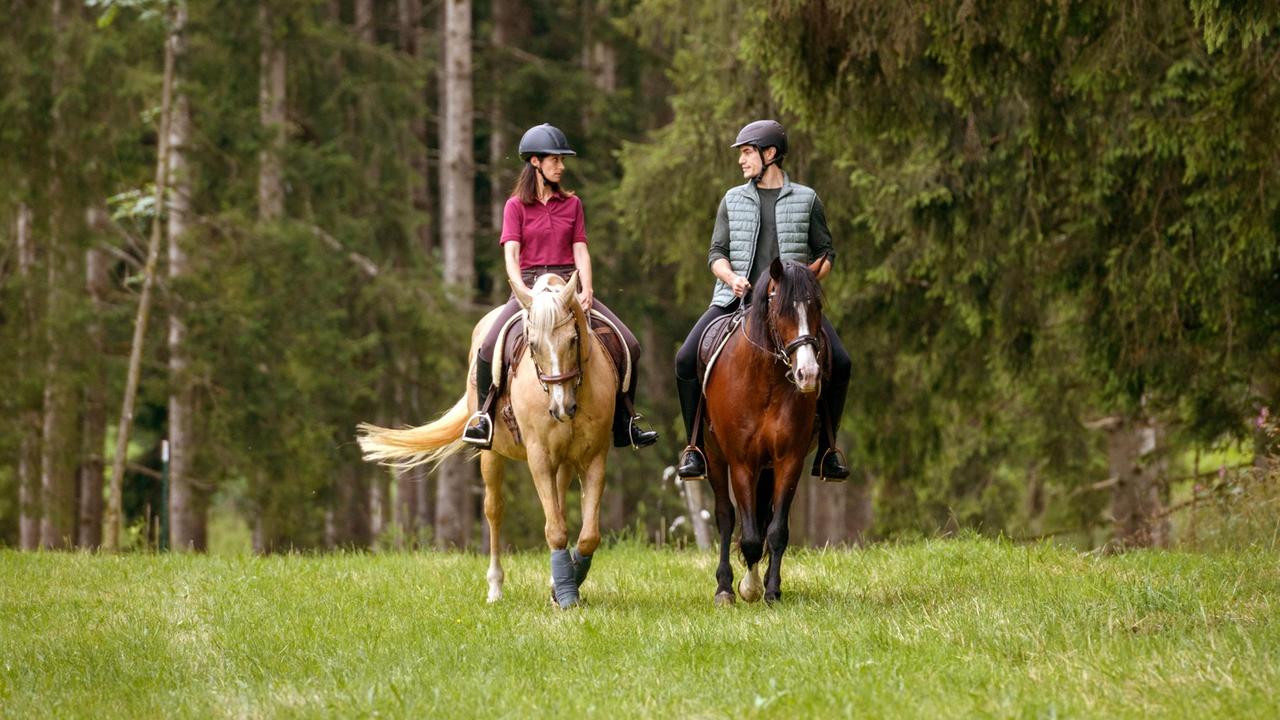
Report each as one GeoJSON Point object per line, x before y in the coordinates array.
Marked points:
{"type": "Point", "coordinates": [562, 395]}
{"type": "Point", "coordinates": [761, 401]}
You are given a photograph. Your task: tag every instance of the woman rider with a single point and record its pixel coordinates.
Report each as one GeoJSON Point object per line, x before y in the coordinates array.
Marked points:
{"type": "Point", "coordinates": [766, 218]}
{"type": "Point", "coordinates": [544, 231]}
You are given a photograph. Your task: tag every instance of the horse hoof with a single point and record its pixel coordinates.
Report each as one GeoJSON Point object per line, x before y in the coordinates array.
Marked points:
{"type": "Point", "coordinates": [771, 598]}
{"type": "Point", "coordinates": [750, 592]}
{"type": "Point", "coordinates": [724, 599]}
{"type": "Point", "coordinates": [495, 596]}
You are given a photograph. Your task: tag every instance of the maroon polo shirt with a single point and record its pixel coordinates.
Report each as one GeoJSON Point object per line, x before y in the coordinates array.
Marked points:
{"type": "Point", "coordinates": [546, 233]}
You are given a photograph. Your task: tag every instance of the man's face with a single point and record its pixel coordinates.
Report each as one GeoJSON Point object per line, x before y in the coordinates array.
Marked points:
{"type": "Point", "coordinates": [749, 159]}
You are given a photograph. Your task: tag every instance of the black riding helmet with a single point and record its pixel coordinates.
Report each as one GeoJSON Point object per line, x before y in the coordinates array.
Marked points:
{"type": "Point", "coordinates": [544, 139]}
{"type": "Point", "coordinates": [763, 134]}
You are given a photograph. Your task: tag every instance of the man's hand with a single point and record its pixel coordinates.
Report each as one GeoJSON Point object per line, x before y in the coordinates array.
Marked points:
{"type": "Point", "coordinates": [585, 298]}
{"type": "Point", "coordinates": [740, 286]}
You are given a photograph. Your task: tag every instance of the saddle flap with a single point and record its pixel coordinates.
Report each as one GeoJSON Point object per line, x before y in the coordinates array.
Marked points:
{"type": "Point", "coordinates": [712, 341]}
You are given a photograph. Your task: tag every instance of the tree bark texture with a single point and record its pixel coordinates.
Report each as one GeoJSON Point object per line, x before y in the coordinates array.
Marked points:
{"type": "Point", "coordinates": [94, 428]}
{"type": "Point", "coordinates": [29, 446]}
{"type": "Point", "coordinates": [454, 503]}
{"type": "Point", "coordinates": [188, 503]}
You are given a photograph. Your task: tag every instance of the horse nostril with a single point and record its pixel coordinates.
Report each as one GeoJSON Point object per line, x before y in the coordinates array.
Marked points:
{"type": "Point", "coordinates": [571, 410]}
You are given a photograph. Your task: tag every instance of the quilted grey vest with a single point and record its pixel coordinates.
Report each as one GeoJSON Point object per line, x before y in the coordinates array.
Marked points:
{"type": "Point", "coordinates": [792, 213]}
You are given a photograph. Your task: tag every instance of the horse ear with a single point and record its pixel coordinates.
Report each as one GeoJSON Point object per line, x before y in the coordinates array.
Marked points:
{"type": "Point", "coordinates": [570, 290]}
{"type": "Point", "coordinates": [775, 269]}
{"type": "Point", "coordinates": [523, 296]}
{"type": "Point", "coordinates": [816, 265]}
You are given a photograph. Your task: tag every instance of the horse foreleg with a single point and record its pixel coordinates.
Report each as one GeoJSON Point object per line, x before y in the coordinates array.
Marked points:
{"type": "Point", "coordinates": [491, 469]}
{"type": "Point", "coordinates": [786, 477]}
{"type": "Point", "coordinates": [718, 476]}
{"type": "Point", "coordinates": [751, 541]}
{"type": "Point", "coordinates": [589, 537]}
{"type": "Point", "coordinates": [563, 588]}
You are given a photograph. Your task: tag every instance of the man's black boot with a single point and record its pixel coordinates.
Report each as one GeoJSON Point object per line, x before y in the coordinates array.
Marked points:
{"type": "Point", "coordinates": [829, 462]}
{"type": "Point", "coordinates": [692, 462]}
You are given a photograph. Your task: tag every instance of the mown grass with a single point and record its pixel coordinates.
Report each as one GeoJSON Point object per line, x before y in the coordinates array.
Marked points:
{"type": "Point", "coordinates": [945, 628]}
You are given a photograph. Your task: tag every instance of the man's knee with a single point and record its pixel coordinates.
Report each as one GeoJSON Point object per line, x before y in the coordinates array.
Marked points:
{"type": "Point", "coordinates": [686, 363]}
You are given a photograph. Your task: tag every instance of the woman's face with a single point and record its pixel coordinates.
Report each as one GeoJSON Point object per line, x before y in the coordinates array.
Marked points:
{"type": "Point", "coordinates": [552, 166]}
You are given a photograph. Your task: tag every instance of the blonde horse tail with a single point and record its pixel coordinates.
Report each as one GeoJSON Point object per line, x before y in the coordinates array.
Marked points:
{"type": "Point", "coordinates": [409, 447]}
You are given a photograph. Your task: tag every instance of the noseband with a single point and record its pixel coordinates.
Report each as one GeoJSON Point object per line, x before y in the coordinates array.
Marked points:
{"type": "Point", "coordinates": [574, 374]}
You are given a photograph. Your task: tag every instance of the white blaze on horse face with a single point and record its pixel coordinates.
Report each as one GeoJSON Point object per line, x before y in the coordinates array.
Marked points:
{"type": "Point", "coordinates": [806, 360]}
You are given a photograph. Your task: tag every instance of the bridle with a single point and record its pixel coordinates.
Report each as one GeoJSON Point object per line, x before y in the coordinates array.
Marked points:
{"type": "Point", "coordinates": [576, 373]}
{"type": "Point", "coordinates": [782, 352]}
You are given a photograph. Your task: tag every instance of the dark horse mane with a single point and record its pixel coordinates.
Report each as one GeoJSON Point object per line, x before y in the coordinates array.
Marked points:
{"type": "Point", "coordinates": [798, 285]}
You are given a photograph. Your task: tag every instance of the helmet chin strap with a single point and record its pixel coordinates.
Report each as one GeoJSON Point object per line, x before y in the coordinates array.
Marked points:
{"type": "Point", "coordinates": [541, 174]}
{"type": "Point", "coordinates": [764, 164]}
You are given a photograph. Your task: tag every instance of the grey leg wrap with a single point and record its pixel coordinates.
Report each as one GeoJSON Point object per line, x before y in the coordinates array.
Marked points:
{"type": "Point", "coordinates": [563, 586]}
{"type": "Point", "coordinates": [581, 566]}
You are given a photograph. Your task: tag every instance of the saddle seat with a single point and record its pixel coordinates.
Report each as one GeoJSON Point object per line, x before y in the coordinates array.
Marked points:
{"type": "Point", "coordinates": [511, 341]}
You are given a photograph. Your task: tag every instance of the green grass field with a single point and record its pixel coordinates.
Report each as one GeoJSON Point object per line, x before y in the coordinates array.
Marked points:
{"type": "Point", "coordinates": [946, 628]}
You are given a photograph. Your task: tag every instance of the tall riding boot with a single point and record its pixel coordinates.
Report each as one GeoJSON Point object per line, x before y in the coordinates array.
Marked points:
{"type": "Point", "coordinates": [626, 430]}
{"type": "Point", "coordinates": [829, 462]}
{"type": "Point", "coordinates": [692, 462]}
{"type": "Point", "coordinates": [479, 429]}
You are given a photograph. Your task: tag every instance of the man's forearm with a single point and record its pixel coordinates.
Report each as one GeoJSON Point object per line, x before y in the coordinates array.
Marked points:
{"type": "Point", "coordinates": [724, 271]}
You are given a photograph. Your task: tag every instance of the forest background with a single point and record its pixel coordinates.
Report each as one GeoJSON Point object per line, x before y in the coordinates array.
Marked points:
{"type": "Point", "coordinates": [1058, 271]}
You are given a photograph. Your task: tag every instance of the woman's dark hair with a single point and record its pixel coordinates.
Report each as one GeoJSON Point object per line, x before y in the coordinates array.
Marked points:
{"type": "Point", "coordinates": [526, 187]}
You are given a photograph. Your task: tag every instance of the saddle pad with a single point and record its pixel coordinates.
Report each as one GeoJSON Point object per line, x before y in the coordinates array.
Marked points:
{"type": "Point", "coordinates": [713, 341]}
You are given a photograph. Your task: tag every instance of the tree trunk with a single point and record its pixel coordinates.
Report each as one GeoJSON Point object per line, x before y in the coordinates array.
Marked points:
{"type": "Point", "coordinates": [366, 30]}
{"type": "Point", "coordinates": [409, 16]}
{"type": "Point", "coordinates": [60, 449]}
{"type": "Point", "coordinates": [859, 512]}
{"type": "Point", "coordinates": [271, 115]}
{"type": "Point", "coordinates": [188, 505]}
{"type": "Point", "coordinates": [98, 284]}
{"type": "Point", "coordinates": [457, 179]}
{"type": "Point", "coordinates": [1136, 462]}
{"type": "Point", "coordinates": [826, 512]}
{"type": "Point", "coordinates": [29, 447]}
{"type": "Point", "coordinates": [114, 514]}
{"type": "Point", "coordinates": [454, 503]}
{"type": "Point", "coordinates": [499, 138]}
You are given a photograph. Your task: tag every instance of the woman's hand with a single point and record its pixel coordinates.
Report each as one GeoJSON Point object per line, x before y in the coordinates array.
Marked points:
{"type": "Point", "coordinates": [740, 286]}
{"type": "Point", "coordinates": [585, 298]}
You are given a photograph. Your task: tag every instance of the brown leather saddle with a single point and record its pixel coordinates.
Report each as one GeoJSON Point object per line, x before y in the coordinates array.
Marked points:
{"type": "Point", "coordinates": [513, 350]}
{"type": "Point", "coordinates": [717, 333]}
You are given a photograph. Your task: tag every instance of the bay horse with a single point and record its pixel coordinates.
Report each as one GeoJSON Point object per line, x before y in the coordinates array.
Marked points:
{"type": "Point", "coordinates": [761, 400]}
{"type": "Point", "coordinates": [562, 395]}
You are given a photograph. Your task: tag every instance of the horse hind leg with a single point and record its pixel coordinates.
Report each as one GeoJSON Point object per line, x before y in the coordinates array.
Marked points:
{"type": "Point", "coordinates": [492, 468]}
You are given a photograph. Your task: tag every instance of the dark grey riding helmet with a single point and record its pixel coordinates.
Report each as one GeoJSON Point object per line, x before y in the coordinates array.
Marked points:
{"type": "Point", "coordinates": [763, 134]}
{"type": "Point", "coordinates": [544, 139]}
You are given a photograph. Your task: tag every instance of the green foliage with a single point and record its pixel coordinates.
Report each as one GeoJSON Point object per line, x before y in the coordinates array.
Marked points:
{"type": "Point", "coordinates": [936, 629]}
